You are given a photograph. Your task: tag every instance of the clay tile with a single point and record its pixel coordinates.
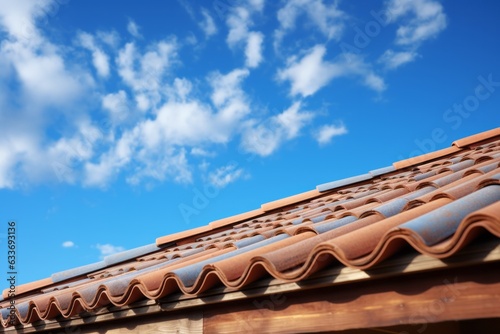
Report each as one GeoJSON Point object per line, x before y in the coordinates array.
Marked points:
{"type": "Point", "coordinates": [236, 218]}
{"type": "Point", "coordinates": [476, 138]}
{"type": "Point", "coordinates": [344, 182]}
{"type": "Point", "coordinates": [290, 200]}
{"type": "Point", "coordinates": [425, 157]}
{"type": "Point", "coordinates": [20, 289]}
{"type": "Point", "coordinates": [382, 171]}
{"type": "Point", "coordinates": [181, 235]}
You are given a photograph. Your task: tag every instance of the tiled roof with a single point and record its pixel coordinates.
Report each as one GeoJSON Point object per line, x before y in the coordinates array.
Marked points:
{"type": "Point", "coordinates": [436, 203]}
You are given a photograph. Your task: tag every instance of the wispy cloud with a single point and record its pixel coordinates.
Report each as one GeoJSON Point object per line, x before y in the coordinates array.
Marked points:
{"type": "Point", "coordinates": [68, 244]}
{"type": "Point", "coordinates": [312, 72]}
{"type": "Point", "coordinates": [325, 134]}
{"type": "Point", "coordinates": [99, 58]}
{"type": "Point", "coordinates": [419, 20]}
{"type": "Point", "coordinates": [133, 29]}
{"type": "Point", "coordinates": [253, 51]}
{"type": "Point", "coordinates": [239, 22]}
{"type": "Point", "coordinates": [207, 24]}
{"type": "Point", "coordinates": [326, 18]}
{"type": "Point", "coordinates": [144, 72]}
{"type": "Point", "coordinates": [426, 20]}
{"type": "Point", "coordinates": [225, 175]}
{"type": "Point", "coordinates": [264, 138]}
{"type": "Point", "coordinates": [393, 60]}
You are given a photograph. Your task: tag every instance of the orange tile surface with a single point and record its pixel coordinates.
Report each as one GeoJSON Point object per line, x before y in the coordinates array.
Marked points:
{"type": "Point", "coordinates": [436, 206]}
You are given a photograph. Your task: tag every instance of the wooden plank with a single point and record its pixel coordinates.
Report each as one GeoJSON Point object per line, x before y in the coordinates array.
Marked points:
{"type": "Point", "coordinates": [417, 299]}
{"type": "Point", "coordinates": [181, 323]}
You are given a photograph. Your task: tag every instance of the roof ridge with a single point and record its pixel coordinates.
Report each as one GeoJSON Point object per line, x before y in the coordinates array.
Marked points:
{"type": "Point", "coordinates": [456, 146]}
{"type": "Point", "coordinates": [476, 138]}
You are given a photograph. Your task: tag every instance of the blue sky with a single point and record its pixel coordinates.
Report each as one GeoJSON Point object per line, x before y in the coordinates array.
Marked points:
{"type": "Point", "coordinates": [123, 123]}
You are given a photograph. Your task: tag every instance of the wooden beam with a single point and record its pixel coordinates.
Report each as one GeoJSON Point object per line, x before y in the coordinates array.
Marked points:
{"type": "Point", "coordinates": [190, 322]}
{"type": "Point", "coordinates": [416, 300]}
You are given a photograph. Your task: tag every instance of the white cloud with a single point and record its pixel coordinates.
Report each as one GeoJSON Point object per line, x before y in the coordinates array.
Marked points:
{"type": "Point", "coordinates": [393, 60]}
{"type": "Point", "coordinates": [19, 18]}
{"type": "Point", "coordinates": [109, 164]}
{"type": "Point", "coordinates": [257, 5]}
{"type": "Point", "coordinates": [185, 121]}
{"type": "Point", "coordinates": [117, 106]}
{"type": "Point", "coordinates": [197, 151]}
{"type": "Point", "coordinates": [326, 133]}
{"type": "Point", "coordinates": [7, 162]}
{"type": "Point", "coordinates": [225, 175]}
{"type": "Point", "coordinates": [181, 89]}
{"type": "Point", "coordinates": [108, 249]}
{"type": "Point", "coordinates": [427, 20]}
{"type": "Point", "coordinates": [238, 21]}
{"type": "Point", "coordinates": [145, 73]}
{"type": "Point", "coordinates": [99, 58]}
{"type": "Point", "coordinates": [34, 63]}
{"type": "Point", "coordinates": [226, 87]}
{"type": "Point", "coordinates": [155, 148]}
{"type": "Point", "coordinates": [43, 74]}
{"type": "Point", "coordinates": [312, 72]}
{"type": "Point", "coordinates": [229, 98]}
{"type": "Point", "coordinates": [260, 139]}
{"type": "Point", "coordinates": [327, 18]}
{"type": "Point", "coordinates": [292, 120]}
{"type": "Point", "coordinates": [370, 79]}
{"type": "Point", "coordinates": [179, 121]}
{"type": "Point", "coordinates": [264, 138]}
{"type": "Point", "coordinates": [160, 164]}
{"type": "Point", "coordinates": [133, 29]}
{"type": "Point", "coordinates": [68, 244]}
{"type": "Point", "coordinates": [110, 38]}
{"type": "Point", "coordinates": [182, 123]}
{"type": "Point", "coordinates": [253, 51]}
{"type": "Point", "coordinates": [207, 25]}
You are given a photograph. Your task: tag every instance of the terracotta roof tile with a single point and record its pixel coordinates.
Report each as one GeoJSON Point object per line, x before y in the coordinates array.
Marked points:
{"type": "Point", "coordinates": [308, 195]}
{"type": "Point", "coordinates": [236, 218]}
{"type": "Point", "coordinates": [436, 203]}
{"type": "Point", "coordinates": [343, 182]}
{"type": "Point", "coordinates": [477, 138]}
{"type": "Point", "coordinates": [23, 288]}
{"type": "Point", "coordinates": [182, 235]}
{"type": "Point", "coordinates": [425, 157]}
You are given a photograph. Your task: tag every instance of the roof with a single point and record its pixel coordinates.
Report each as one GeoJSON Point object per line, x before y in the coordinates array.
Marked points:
{"type": "Point", "coordinates": [436, 203]}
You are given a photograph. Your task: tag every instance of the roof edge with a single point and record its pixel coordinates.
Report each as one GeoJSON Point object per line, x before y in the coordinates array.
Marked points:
{"type": "Point", "coordinates": [343, 182]}
{"type": "Point", "coordinates": [290, 200]}
{"type": "Point", "coordinates": [23, 288]}
{"type": "Point", "coordinates": [456, 146]}
{"type": "Point", "coordinates": [425, 157]}
{"type": "Point", "coordinates": [476, 138]}
{"type": "Point", "coordinates": [182, 235]}
{"type": "Point", "coordinates": [236, 218]}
